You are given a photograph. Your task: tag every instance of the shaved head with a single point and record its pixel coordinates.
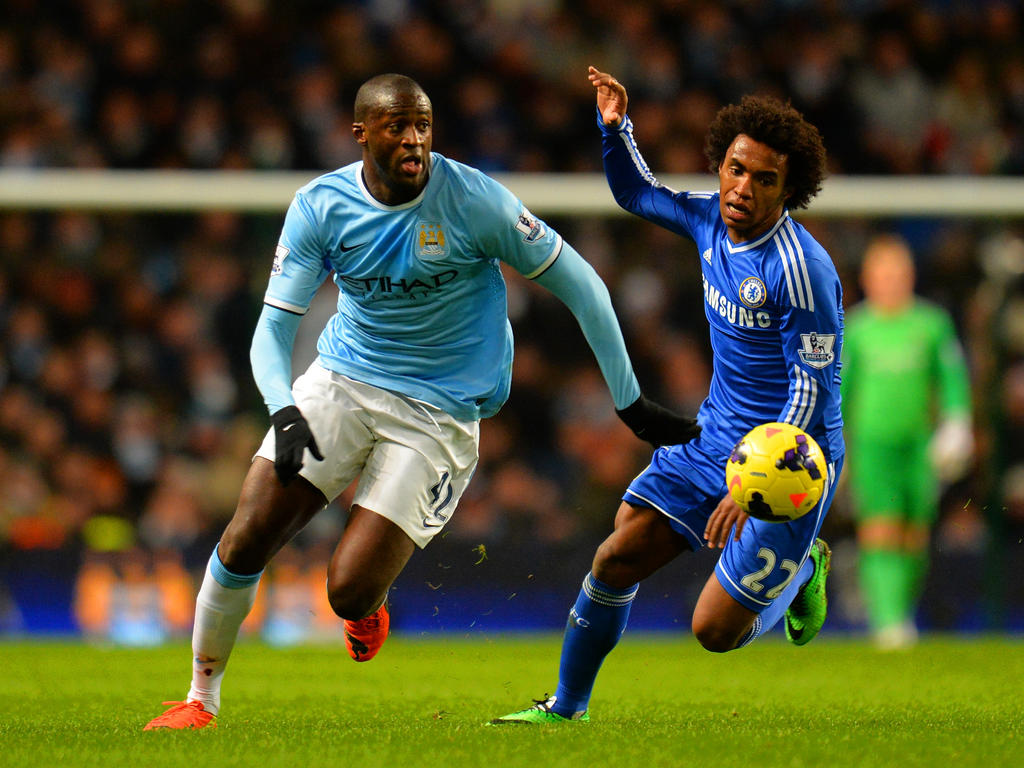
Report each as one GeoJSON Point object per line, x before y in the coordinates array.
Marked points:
{"type": "Point", "coordinates": [393, 125]}
{"type": "Point", "coordinates": [383, 90]}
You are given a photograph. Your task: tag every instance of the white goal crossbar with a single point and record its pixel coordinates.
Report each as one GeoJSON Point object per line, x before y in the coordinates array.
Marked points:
{"type": "Point", "coordinates": [545, 194]}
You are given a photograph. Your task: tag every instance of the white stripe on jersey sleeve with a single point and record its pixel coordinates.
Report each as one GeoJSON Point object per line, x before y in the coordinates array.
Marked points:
{"type": "Point", "coordinates": [548, 261]}
{"type": "Point", "coordinates": [808, 288]}
{"type": "Point", "coordinates": [797, 398]}
{"type": "Point", "coordinates": [807, 394]}
{"type": "Point", "coordinates": [804, 399]}
{"type": "Point", "coordinates": [785, 268]}
{"type": "Point", "coordinates": [285, 305]}
{"type": "Point", "coordinates": [812, 401]}
{"type": "Point", "coordinates": [634, 154]}
{"type": "Point", "coordinates": [795, 266]}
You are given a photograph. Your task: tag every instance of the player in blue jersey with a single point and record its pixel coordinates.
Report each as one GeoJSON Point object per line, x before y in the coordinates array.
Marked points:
{"type": "Point", "coordinates": [774, 307]}
{"type": "Point", "coordinates": [420, 350]}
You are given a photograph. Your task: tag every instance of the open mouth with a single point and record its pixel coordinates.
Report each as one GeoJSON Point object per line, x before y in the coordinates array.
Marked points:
{"type": "Point", "coordinates": [411, 165]}
{"type": "Point", "coordinates": [737, 211]}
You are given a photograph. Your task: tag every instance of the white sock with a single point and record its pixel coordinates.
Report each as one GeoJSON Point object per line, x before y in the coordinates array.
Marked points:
{"type": "Point", "coordinates": [220, 612]}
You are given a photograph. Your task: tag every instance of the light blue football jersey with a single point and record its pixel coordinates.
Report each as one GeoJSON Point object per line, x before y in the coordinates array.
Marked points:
{"type": "Point", "coordinates": [421, 305]}
{"type": "Point", "coordinates": [774, 308]}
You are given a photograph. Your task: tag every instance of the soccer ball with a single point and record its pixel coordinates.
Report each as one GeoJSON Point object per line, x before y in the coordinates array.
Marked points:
{"type": "Point", "coordinates": [776, 472]}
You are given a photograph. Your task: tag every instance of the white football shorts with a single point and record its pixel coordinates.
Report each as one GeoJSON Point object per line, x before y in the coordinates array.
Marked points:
{"type": "Point", "coordinates": [413, 460]}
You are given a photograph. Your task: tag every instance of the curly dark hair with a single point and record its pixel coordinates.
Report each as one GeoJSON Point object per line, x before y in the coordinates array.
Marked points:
{"type": "Point", "coordinates": [781, 127]}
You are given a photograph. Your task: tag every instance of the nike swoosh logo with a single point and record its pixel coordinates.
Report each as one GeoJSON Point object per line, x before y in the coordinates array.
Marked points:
{"type": "Point", "coordinates": [344, 249]}
{"type": "Point", "coordinates": [286, 427]}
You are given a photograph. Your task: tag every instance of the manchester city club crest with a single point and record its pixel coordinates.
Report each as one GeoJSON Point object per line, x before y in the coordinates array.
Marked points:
{"type": "Point", "coordinates": [431, 243]}
{"type": "Point", "coordinates": [753, 292]}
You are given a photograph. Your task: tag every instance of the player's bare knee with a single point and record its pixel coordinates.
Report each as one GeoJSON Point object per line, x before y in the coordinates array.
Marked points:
{"type": "Point", "coordinates": [343, 604]}
{"type": "Point", "coordinates": [713, 637]}
{"type": "Point", "coordinates": [237, 556]}
{"type": "Point", "coordinates": [612, 566]}
{"type": "Point", "coordinates": [351, 603]}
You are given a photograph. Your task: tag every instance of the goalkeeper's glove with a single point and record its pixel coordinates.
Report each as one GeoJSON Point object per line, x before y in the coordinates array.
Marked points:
{"type": "Point", "coordinates": [291, 438]}
{"type": "Point", "coordinates": [951, 448]}
{"type": "Point", "coordinates": [658, 425]}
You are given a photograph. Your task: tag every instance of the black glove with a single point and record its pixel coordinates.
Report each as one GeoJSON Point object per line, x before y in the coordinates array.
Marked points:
{"type": "Point", "coordinates": [657, 424]}
{"type": "Point", "coordinates": [291, 438]}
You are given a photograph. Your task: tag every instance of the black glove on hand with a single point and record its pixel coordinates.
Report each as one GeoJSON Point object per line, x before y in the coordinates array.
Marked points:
{"type": "Point", "coordinates": [291, 438]}
{"type": "Point", "coordinates": [657, 424]}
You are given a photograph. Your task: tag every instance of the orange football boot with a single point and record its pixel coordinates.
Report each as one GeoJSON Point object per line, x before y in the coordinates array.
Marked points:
{"type": "Point", "coordinates": [364, 638]}
{"type": "Point", "coordinates": [183, 714]}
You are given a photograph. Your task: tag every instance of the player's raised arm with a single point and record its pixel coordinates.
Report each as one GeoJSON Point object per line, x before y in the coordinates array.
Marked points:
{"type": "Point", "coordinates": [631, 182]}
{"type": "Point", "coordinates": [611, 97]}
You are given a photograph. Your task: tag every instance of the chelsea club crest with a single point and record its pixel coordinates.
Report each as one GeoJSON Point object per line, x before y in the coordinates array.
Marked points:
{"type": "Point", "coordinates": [753, 292]}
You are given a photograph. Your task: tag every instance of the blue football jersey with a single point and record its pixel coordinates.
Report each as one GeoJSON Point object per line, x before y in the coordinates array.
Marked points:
{"type": "Point", "coordinates": [774, 308]}
{"type": "Point", "coordinates": [421, 304]}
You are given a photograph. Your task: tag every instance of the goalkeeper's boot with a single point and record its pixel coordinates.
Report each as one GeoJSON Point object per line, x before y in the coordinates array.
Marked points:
{"type": "Point", "coordinates": [183, 714]}
{"type": "Point", "coordinates": [364, 638]}
{"type": "Point", "coordinates": [540, 712]}
{"type": "Point", "coordinates": [806, 614]}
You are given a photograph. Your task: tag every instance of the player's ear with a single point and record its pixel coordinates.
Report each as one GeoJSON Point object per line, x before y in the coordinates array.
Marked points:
{"type": "Point", "coordinates": [359, 131]}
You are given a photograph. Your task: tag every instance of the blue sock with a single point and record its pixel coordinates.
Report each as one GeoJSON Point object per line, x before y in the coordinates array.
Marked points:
{"type": "Point", "coordinates": [596, 622]}
{"type": "Point", "coordinates": [230, 579]}
{"type": "Point", "coordinates": [770, 616]}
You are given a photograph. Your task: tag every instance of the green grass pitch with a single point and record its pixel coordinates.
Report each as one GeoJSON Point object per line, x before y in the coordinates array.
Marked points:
{"type": "Point", "coordinates": [659, 701]}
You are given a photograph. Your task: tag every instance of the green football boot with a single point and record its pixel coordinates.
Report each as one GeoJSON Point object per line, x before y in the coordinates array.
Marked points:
{"type": "Point", "coordinates": [806, 614]}
{"type": "Point", "coordinates": [540, 712]}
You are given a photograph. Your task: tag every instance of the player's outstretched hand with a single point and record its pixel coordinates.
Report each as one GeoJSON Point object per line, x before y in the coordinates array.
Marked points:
{"type": "Point", "coordinates": [291, 437]}
{"type": "Point", "coordinates": [611, 96]}
{"type": "Point", "coordinates": [657, 424]}
{"type": "Point", "coordinates": [727, 514]}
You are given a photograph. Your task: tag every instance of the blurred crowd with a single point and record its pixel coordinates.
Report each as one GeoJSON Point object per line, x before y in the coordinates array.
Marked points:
{"type": "Point", "coordinates": [895, 85]}
{"type": "Point", "coordinates": [128, 414]}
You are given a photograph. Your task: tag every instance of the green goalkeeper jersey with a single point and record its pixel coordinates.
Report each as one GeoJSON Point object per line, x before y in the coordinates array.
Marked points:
{"type": "Point", "coordinates": [901, 373]}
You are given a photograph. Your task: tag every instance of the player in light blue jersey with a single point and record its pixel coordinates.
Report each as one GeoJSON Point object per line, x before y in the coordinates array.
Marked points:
{"type": "Point", "coordinates": [774, 307]}
{"type": "Point", "coordinates": [420, 350]}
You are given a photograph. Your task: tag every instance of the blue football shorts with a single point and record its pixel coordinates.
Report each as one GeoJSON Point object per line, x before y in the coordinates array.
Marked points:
{"type": "Point", "coordinates": [686, 482]}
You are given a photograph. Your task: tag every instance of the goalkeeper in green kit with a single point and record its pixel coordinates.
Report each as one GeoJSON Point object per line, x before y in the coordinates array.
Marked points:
{"type": "Point", "coordinates": [907, 411]}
